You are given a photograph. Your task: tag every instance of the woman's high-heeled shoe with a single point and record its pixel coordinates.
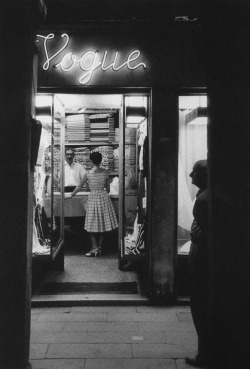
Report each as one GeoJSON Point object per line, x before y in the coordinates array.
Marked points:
{"type": "Point", "coordinates": [96, 252]}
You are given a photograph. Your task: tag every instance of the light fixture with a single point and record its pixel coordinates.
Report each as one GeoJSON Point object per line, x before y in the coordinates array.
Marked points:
{"type": "Point", "coordinates": [135, 111]}
{"type": "Point", "coordinates": [135, 115]}
{"type": "Point", "coordinates": [197, 116]}
{"type": "Point", "coordinates": [43, 110]}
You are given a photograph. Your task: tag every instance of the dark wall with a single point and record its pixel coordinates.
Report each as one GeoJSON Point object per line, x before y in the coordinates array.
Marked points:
{"type": "Point", "coordinates": [228, 55]}
{"type": "Point", "coordinates": [18, 24]}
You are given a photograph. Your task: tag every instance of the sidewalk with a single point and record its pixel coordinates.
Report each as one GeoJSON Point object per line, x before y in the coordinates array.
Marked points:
{"type": "Point", "coordinates": [112, 337]}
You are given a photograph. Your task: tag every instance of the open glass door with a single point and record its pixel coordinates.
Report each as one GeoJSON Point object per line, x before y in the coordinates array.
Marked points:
{"type": "Point", "coordinates": [134, 178]}
{"type": "Point", "coordinates": [48, 230]}
{"type": "Point", "coordinates": [57, 161]}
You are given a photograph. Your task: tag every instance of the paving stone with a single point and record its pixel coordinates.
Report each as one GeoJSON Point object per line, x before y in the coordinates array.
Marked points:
{"type": "Point", "coordinates": [71, 317]}
{"type": "Point", "coordinates": [101, 326]}
{"type": "Point", "coordinates": [58, 364]}
{"type": "Point", "coordinates": [103, 309]}
{"type": "Point", "coordinates": [34, 317]}
{"type": "Point", "coordinates": [163, 309]}
{"type": "Point", "coordinates": [130, 364]}
{"type": "Point", "coordinates": [184, 316]}
{"type": "Point", "coordinates": [38, 351]}
{"type": "Point", "coordinates": [182, 338]}
{"type": "Point", "coordinates": [58, 337]}
{"type": "Point", "coordinates": [126, 337]}
{"type": "Point", "coordinates": [47, 326]}
{"type": "Point", "coordinates": [143, 317]}
{"type": "Point", "coordinates": [79, 351]}
{"type": "Point", "coordinates": [180, 364]}
{"type": "Point", "coordinates": [50, 310]}
{"type": "Point", "coordinates": [166, 326]}
{"type": "Point", "coordinates": [163, 351]}
{"type": "Point", "coordinates": [133, 337]}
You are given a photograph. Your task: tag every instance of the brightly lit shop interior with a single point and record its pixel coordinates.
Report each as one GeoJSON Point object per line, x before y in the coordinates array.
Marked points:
{"type": "Point", "coordinates": [192, 147]}
{"type": "Point", "coordinates": [115, 125]}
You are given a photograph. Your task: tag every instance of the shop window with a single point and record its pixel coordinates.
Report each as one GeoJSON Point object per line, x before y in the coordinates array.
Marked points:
{"type": "Point", "coordinates": [192, 147]}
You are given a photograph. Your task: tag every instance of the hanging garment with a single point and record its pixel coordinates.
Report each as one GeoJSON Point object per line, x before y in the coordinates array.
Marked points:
{"type": "Point", "coordinates": [185, 206]}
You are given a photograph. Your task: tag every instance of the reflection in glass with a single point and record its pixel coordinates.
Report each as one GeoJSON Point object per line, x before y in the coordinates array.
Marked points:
{"type": "Point", "coordinates": [57, 165]}
{"type": "Point", "coordinates": [192, 147]}
{"type": "Point", "coordinates": [42, 179]}
{"type": "Point", "coordinates": [135, 174]}
{"type": "Point", "coordinates": [48, 220]}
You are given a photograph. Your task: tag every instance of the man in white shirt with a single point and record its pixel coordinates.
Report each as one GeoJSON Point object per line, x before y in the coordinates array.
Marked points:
{"type": "Point", "coordinates": [73, 174]}
{"type": "Point", "coordinates": [73, 171]}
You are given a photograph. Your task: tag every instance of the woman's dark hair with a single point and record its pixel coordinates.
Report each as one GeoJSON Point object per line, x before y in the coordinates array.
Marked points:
{"type": "Point", "coordinates": [96, 157]}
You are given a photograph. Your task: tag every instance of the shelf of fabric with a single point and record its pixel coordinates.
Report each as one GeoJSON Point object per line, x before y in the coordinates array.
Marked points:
{"type": "Point", "coordinates": [102, 127]}
{"type": "Point", "coordinates": [130, 135]}
{"type": "Point", "coordinates": [128, 257]}
{"type": "Point", "coordinates": [107, 157]}
{"type": "Point", "coordinates": [93, 143]}
{"type": "Point", "coordinates": [77, 129]}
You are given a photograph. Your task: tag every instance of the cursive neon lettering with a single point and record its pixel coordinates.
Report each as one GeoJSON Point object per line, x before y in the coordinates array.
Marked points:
{"type": "Point", "coordinates": [71, 58]}
{"type": "Point", "coordinates": [88, 62]}
{"type": "Point", "coordinates": [134, 56]}
{"type": "Point", "coordinates": [94, 65]}
{"type": "Point", "coordinates": [50, 37]}
{"type": "Point", "coordinates": [104, 59]}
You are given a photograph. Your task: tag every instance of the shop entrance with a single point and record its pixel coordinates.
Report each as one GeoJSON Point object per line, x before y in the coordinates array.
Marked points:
{"type": "Point", "coordinates": [117, 126]}
{"type": "Point", "coordinates": [192, 147]}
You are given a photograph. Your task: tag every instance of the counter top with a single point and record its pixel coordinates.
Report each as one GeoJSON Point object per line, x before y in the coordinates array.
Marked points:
{"type": "Point", "coordinates": [73, 207]}
{"type": "Point", "coordinates": [81, 193]}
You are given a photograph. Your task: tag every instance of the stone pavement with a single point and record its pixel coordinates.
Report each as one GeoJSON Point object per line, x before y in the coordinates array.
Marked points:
{"type": "Point", "coordinates": [112, 337]}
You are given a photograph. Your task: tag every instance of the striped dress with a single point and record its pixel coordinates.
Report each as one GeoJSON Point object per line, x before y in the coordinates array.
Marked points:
{"type": "Point", "coordinates": [100, 212]}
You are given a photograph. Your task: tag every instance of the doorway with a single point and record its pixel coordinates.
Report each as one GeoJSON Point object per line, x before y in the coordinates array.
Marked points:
{"type": "Point", "coordinates": [115, 125]}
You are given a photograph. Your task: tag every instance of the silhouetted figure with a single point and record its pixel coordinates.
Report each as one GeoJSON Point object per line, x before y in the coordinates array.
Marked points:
{"type": "Point", "coordinates": [198, 264]}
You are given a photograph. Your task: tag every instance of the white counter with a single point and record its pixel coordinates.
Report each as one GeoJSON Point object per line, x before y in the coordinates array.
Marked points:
{"type": "Point", "coordinates": [74, 207]}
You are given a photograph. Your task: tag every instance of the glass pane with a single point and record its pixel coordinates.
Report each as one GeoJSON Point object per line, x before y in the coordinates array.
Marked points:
{"type": "Point", "coordinates": [135, 174]}
{"type": "Point", "coordinates": [192, 147]}
{"type": "Point", "coordinates": [57, 163]}
{"type": "Point", "coordinates": [42, 220]}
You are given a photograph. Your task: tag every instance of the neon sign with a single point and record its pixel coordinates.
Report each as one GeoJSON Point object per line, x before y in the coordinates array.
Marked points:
{"type": "Point", "coordinates": [88, 62]}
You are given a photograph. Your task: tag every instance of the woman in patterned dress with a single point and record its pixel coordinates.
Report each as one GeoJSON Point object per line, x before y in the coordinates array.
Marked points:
{"type": "Point", "coordinates": [100, 213]}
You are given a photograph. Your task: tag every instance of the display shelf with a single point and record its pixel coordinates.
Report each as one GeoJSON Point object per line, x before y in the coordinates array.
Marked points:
{"type": "Point", "coordinates": [92, 143]}
{"type": "Point", "coordinates": [133, 257]}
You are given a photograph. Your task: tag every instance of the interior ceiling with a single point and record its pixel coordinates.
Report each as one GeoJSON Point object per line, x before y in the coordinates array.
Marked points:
{"type": "Point", "coordinates": [78, 101]}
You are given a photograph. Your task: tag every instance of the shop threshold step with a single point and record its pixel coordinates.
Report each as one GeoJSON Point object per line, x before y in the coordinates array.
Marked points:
{"type": "Point", "coordinates": [88, 300]}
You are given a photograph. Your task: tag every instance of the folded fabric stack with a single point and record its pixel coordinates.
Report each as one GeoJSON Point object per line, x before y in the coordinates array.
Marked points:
{"type": "Point", "coordinates": [82, 157]}
{"type": "Point", "coordinates": [116, 159]}
{"type": "Point", "coordinates": [130, 135]}
{"type": "Point", "coordinates": [111, 121]}
{"type": "Point", "coordinates": [107, 157]}
{"type": "Point", "coordinates": [102, 128]}
{"type": "Point", "coordinates": [77, 128]}
{"type": "Point", "coordinates": [130, 154]}
{"type": "Point", "coordinates": [57, 132]}
{"type": "Point", "coordinates": [47, 160]}
{"type": "Point", "coordinates": [117, 135]}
